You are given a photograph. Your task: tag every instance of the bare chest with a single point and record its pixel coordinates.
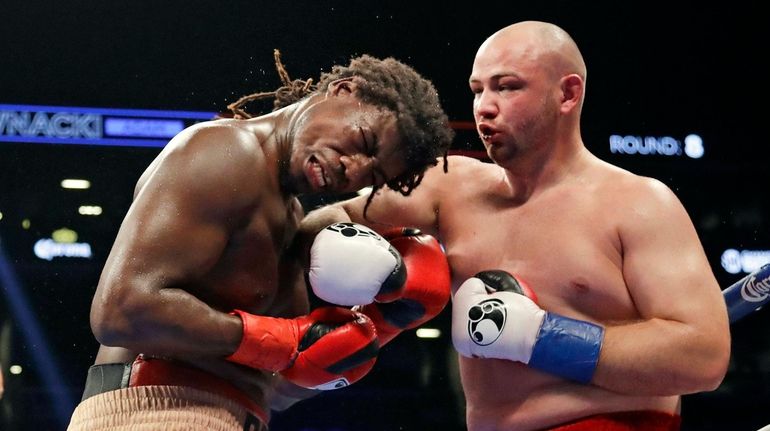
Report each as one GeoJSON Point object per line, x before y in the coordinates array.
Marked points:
{"type": "Point", "coordinates": [568, 252]}
{"type": "Point", "coordinates": [251, 272]}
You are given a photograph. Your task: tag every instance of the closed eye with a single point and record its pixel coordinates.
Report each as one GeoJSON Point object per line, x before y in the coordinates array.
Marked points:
{"type": "Point", "coordinates": [368, 150]}
{"type": "Point", "coordinates": [371, 151]}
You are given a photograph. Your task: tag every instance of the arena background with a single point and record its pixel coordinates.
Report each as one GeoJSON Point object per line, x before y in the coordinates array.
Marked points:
{"type": "Point", "coordinates": [658, 72]}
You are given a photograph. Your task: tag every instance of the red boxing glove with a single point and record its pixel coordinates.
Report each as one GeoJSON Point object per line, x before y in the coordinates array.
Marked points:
{"type": "Point", "coordinates": [330, 348]}
{"type": "Point", "coordinates": [426, 290]}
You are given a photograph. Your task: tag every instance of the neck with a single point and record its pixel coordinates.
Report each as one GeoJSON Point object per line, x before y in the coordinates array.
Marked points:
{"type": "Point", "coordinates": [537, 170]}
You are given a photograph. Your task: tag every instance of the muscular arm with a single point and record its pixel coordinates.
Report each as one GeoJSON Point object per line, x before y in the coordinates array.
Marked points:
{"type": "Point", "coordinates": [389, 208]}
{"type": "Point", "coordinates": [177, 228]}
{"type": "Point", "coordinates": [682, 343]}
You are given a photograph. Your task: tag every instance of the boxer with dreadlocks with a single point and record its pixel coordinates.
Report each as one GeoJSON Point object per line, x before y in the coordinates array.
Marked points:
{"type": "Point", "coordinates": [375, 89]}
{"type": "Point", "coordinates": [201, 309]}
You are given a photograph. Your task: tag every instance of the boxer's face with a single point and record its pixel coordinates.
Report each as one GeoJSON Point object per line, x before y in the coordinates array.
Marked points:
{"type": "Point", "coordinates": [512, 105]}
{"type": "Point", "coordinates": [342, 144]}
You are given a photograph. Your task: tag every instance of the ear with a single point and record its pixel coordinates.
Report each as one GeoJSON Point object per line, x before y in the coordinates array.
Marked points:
{"type": "Point", "coordinates": [342, 86]}
{"type": "Point", "coordinates": [572, 89]}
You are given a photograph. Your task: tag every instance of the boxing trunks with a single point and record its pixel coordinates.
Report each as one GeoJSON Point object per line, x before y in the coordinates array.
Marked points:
{"type": "Point", "coordinates": [624, 421]}
{"type": "Point", "coordinates": [153, 393]}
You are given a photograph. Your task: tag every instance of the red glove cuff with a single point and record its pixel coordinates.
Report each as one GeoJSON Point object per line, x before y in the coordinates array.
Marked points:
{"type": "Point", "coordinates": [426, 290]}
{"type": "Point", "coordinates": [268, 343]}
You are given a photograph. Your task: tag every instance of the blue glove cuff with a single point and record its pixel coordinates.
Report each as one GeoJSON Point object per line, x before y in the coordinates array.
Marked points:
{"type": "Point", "coordinates": [567, 347]}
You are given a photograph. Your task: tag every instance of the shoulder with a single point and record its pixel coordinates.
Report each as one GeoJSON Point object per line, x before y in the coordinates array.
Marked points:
{"type": "Point", "coordinates": [206, 148]}
{"type": "Point", "coordinates": [639, 187]}
{"type": "Point", "coordinates": [460, 167]}
{"type": "Point", "coordinates": [211, 160]}
{"type": "Point", "coordinates": [636, 196]}
{"type": "Point", "coordinates": [214, 135]}
{"type": "Point", "coordinates": [465, 163]}
{"type": "Point", "coordinates": [460, 174]}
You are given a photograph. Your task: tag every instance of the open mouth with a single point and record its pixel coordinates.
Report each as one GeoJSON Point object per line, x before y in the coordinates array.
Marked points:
{"type": "Point", "coordinates": [485, 132]}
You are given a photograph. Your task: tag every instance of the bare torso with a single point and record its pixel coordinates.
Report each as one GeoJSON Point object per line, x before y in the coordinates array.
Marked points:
{"type": "Point", "coordinates": [564, 242]}
{"type": "Point", "coordinates": [253, 272]}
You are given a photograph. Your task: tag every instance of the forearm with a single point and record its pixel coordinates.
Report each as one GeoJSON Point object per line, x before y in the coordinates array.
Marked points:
{"type": "Point", "coordinates": [660, 357]}
{"type": "Point", "coordinates": [494, 316]}
{"type": "Point", "coordinates": [319, 218]}
{"type": "Point", "coordinates": [170, 322]}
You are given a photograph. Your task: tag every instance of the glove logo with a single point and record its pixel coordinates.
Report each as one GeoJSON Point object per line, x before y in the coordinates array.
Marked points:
{"type": "Point", "coordinates": [351, 229]}
{"type": "Point", "coordinates": [486, 321]}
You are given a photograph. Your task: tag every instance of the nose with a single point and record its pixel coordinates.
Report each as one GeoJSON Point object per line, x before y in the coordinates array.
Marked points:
{"type": "Point", "coordinates": [357, 169]}
{"type": "Point", "coordinates": [485, 105]}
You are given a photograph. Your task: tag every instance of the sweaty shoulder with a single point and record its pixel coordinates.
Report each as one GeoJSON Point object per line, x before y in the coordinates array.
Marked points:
{"type": "Point", "coordinates": [212, 159]}
{"type": "Point", "coordinates": [231, 135]}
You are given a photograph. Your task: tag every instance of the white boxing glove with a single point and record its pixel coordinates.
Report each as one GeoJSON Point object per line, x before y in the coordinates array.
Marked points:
{"type": "Point", "coordinates": [493, 322]}
{"type": "Point", "coordinates": [351, 264]}
{"type": "Point", "coordinates": [494, 315]}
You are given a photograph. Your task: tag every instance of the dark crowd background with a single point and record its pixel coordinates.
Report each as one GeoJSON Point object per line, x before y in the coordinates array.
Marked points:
{"type": "Point", "coordinates": [656, 69]}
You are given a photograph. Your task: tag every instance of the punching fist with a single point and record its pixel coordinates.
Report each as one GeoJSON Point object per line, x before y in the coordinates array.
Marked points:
{"type": "Point", "coordinates": [425, 292]}
{"type": "Point", "coordinates": [495, 315]}
{"type": "Point", "coordinates": [351, 264]}
{"type": "Point", "coordinates": [330, 348]}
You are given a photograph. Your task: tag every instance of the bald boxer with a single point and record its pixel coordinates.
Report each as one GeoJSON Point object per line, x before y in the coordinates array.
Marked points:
{"type": "Point", "coordinates": [583, 299]}
{"type": "Point", "coordinates": [201, 310]}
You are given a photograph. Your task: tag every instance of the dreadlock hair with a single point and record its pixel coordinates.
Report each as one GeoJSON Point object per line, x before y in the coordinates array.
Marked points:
{"type": "Point", "coordinates": [422, 123]}
{"type": "Point", "coordinates": [290, 92]}
{"type": "Point", "coordinates": [389, 84]}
